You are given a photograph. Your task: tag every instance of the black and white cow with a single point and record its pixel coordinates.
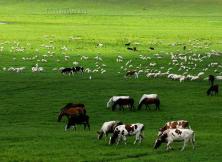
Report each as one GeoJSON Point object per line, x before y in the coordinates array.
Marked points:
{"type": "Point", "coordinates": [171, 135]}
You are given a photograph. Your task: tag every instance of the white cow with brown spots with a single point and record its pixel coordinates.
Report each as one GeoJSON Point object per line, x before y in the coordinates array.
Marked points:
{"type": "Point", "coordinates": [181, 124]}
{"type": "Point", "coordinates": [122, 131]}
{"type": "Point", "coordinates": [171, 135]}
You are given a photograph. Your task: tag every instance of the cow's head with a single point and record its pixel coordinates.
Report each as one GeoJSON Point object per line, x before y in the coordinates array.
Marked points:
{"type": "Point", "coordinates": [161, 139]}
{"type": "Point", "coordinates": [113, 138]}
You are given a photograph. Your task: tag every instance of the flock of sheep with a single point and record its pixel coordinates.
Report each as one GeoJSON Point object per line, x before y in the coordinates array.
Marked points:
{"type": "Point", "coordinates": [181, 66]}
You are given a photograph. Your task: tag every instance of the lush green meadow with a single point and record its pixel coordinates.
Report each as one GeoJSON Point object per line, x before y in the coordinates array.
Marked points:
{"type": "Point", "coordinates": [30, 102]}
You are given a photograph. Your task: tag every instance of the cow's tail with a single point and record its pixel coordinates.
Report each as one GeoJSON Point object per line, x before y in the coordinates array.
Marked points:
{"type": "Point", "coordinates": [142, 132]}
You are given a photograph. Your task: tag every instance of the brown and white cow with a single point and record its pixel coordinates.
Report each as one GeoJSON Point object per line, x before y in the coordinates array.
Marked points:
{"type": "Point", "coordinates": [122, 131]}
{"type": "Point", "coordinates": [171, 135]}
{"type": "Point", "coordinates": [181, 124]}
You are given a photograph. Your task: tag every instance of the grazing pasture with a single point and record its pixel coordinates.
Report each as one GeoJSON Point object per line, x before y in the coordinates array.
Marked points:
{"type": "Point", "coordinates": [178, 45]}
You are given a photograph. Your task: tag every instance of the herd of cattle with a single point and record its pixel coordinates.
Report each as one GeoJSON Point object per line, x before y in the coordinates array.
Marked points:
{"type": "Point", "coordinates": [172, 131]}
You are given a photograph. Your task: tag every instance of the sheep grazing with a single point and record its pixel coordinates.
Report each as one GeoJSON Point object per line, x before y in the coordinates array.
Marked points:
{"type": "Point", "coordinates": [218, 77]}
{"type": "Point", "coordinates": [36, 68]}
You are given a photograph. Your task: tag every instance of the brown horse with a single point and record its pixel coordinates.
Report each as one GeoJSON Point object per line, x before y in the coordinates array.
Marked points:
{"type": "Point", "coordinates": [149, 101]}
{"type": "Point", "coordinates": [69, 105]}
{"type": "Point", "coordinates": [71, 111]}
{"type": "Point", "coordinates": [129, 102]}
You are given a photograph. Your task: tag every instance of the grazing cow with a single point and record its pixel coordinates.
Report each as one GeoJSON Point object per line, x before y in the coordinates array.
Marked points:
{"type": "Point", "coordinates": [180, 124]}
{"type": "Point", "coordinates": [78, 119]}
{"type": "Point", "coordinates": [71, 111]}
{"type": "Point", "coordinates": [148, 99]}
{"type": "Point", "coordinates": [171, 135]}
{"type": "Point", "coordinates": [78, 69]}
{"type": "Point", "coordinates": [211, 79]}
{"type": "Point", "coordinates": [184, 47]}
{"type": "Point", "coordinates": [213, 90]}
{"type": "Point", "coordinates": [124, 102]}
{"type": "Point", "coordinates": [108, 127]}
{"type": "Point", "coordinates": [122, 131]}
{"type": "Point", "coordinates": [152, 48]}
{"type": "Point", "coordinates": [67, 71]}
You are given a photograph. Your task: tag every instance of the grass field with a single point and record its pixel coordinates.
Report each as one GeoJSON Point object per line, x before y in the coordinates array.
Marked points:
{"type": "Point", "coordinates": [30, 102]}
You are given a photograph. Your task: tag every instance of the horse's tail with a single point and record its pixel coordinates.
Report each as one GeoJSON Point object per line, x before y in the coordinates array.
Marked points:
{"type": "Point", "coordinates": [193, 138]}
{"type": "Point", "coordinates": [60, 116]}
{"type": "Point", "coordinates": [158, 103]}
{"type": "Point", "coordinates": [132, 102]}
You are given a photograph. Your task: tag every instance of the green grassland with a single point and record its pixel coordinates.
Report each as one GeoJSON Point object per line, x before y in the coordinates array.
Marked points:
{"type": "Point", "coordinates": [30, 102]}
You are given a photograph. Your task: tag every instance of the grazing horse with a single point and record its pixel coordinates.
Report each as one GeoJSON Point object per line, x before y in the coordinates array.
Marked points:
{"type": "Point", "coordinates": [214, 89]}
{"type": "Point", "coordinates": [149, 99]}
{"type": "Point", "coordinates": [78, 119]}
{"type": "Point", "coordinates": [129, 102]}
{"type": "Point", "coordinates": [108, 127]}
{"type": "Point", "coordinates": [180, 124]}
{"type": "Point", "coordinates": [114, 99]}
{"type": "Point", "coordinates": [71, 111]}
{"type": "Point", "coordinates": [132, 73]}
{"type": "Point", "coordinates": [211, 79]}
{"type": "Point", "coordinates": [122, 131]}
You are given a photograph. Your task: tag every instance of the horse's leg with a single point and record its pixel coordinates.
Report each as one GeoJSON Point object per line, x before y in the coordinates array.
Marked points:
{"type": "Point", "coordinates": [88, 125]}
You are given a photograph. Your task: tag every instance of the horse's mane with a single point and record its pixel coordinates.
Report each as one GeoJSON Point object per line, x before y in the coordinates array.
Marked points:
{"type": "Point", "coordinates": [148, 96]}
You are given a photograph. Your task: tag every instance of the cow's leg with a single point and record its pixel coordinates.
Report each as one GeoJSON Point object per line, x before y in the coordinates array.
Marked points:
{"type": "Point", "coordinates": [168, 145]}
{"type": "Point", "coordinates": [141, 137]}
{"type": "Point", "coordinates": [118, 139]}
{"type": "Point", "coordinates": [184, 145]}
{"type": "Point", "coordinates": [137, 138]}
{"type": "Point", "coordinates": [124, 139]}
{"type": "Point", "coordinates": [105, 134]}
